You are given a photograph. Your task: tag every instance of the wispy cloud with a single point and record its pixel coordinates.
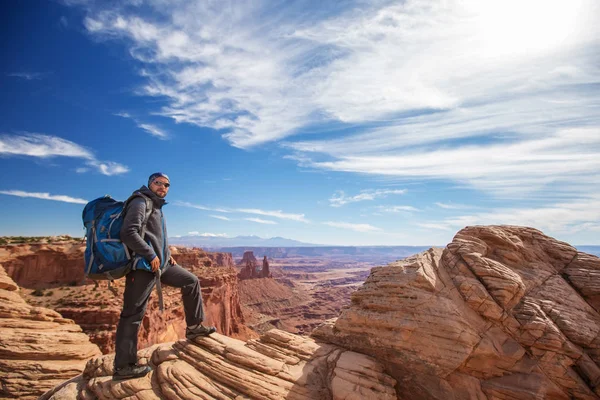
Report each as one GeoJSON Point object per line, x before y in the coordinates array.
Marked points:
{"type": "Point", "coordinates": [275, 214]}
{"type": "Point", "coordinates": [432, 89]}
{"type": "Point", "coordinates": [44, 196]}
{"type": "Point", "coordinates": [340, 198]}
{"type": "Point", "coordinates": [46, 146]}
{"type": "Point", "coordinates": [261, 221]}
{"type": "Point", "coordinates": [563, 217]}
{"type": "Point", "coordinates": [448, 206]}
{"type": "Point", "coordinates": [28, 75]}
{"type": "Point", "coordinates": [200, 207]}
{"type": "Point", "coordinates": [149, 128]}
{"type": "Point", "coordinates": [397, 209]}
{"type": "Point", "coordinates": [564, 161]}
{"type": "Point", "coordinates": [206, 234]}
{"type": "Point", "coordinates": [353, 227]}
{"type": "Point", "coordinates": [220, 217]}
{"type": "Point", "coordinates": [154, 131]}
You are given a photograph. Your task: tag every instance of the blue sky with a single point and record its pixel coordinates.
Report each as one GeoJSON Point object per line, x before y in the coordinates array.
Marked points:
{"type": "Point", "coordinates": [342, 122]}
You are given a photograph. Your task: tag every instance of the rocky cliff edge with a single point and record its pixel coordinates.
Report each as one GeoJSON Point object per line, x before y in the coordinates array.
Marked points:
{"type": "Point", "coordinates": [38, 348]}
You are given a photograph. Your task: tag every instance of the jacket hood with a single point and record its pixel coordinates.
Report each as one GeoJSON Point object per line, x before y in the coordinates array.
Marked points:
{"type": "Point", "coordinates": [158, 202]}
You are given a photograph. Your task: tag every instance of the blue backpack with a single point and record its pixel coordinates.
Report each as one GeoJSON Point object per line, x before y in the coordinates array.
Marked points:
{"type": "Point", "coordinates": [106, 257]}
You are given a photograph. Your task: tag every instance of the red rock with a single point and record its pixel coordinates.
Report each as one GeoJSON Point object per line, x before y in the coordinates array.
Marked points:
{"type": "Point", "coordinates": [96, 309]}
{"type": "Point", "coordinates": [503, 312]}
{"type": "Point", "coordinates": [38, 347]}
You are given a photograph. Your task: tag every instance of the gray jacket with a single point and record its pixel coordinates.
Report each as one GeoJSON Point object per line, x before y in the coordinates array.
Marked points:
{"type": "Point", "coordinates": [155, 242]}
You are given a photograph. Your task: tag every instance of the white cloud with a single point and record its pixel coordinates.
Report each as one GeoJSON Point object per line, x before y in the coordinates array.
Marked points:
{"type": "Point", "coordinates": [46, 146]}
{"type": "Point", "coordinates": [44, 196]}
{"type": "Point", "coordinates": [397, 209]}
{"type": "Point", "coordinates": [447, 206]}
{"type": "Point", "coordinates": [149, 128]}
{"type": "Point", "coordinates": [339, 198]}
{"type": "Point", "coordinates": [200, 207]}
{"type": "Point", "coordinates": [220, 217]}
{"type": "Point", "coordinates": [354, 227]}
{"type": "Point", "coordinates": [261, 221]}
{"type": "Point", "coordinates": [206, 234]}
{"type": "Point", "coordinates": [275, 214]}
{"type": "Point", "coordinates": [108, 167]}
{"type": "Point", "coordinates": [432, 89]}
{"type": "Point", "coordinates": [563, 217]}
{"type": "Point", "coordinates": [568, 158]}
{"type": "Point", "coordinates": [154, 131]}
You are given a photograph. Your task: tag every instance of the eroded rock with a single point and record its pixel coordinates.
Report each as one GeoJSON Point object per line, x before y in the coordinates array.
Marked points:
{"type": "Point", "coordinates": [503, 312]}
{"type": "Point", "coordinates": [279, 365]}
{"type": "Point", "coordinates": [38, 347]}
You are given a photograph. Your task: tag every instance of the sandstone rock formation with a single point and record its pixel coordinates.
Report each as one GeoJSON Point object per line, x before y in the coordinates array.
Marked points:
{"type": "Point", "coordinates": [502, 313]}
{"type": "Point", "coordinates": [278, 366]}
{"type": "Point", "coordinates": [43, 265]}
{"type": "Point", "coordinates": [266, 273]}
{"type": "Point", "coordinates": [38, 347]}
{"type": "Point", "coordinates": [250, 269]}
{"type": "Point", "coordinates": [96, 309]}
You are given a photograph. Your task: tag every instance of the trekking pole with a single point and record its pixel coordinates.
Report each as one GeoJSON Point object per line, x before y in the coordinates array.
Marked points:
{"type": "Point", "coordinates": [159, 290]}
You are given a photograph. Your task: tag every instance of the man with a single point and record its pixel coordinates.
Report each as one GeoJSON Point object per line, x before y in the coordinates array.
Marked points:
{"type": "Point", "coordinates": [151, 252]}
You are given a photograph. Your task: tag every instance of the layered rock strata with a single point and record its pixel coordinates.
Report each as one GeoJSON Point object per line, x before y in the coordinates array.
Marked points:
{"type": "Point", "coordinates": [96, 308]}
{"type": "Point", "coordinates": [43, 265]}
{"type": "Point", "coordinates": [279, 365]}
{"type": "Point", "coordinates": [502, 312]}
{"type": "Point", "coordinates": [38, 347]}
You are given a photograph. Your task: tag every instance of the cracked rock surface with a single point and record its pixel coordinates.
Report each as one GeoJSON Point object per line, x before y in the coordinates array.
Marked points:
{"type": "Point", "coordinates": [279, 365]}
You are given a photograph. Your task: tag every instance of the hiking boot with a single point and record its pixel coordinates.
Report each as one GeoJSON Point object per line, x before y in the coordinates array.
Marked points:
{"type": "Point", "coordinates": [199, 330]}
{"type": "Point", "coordinates": [130, 371]}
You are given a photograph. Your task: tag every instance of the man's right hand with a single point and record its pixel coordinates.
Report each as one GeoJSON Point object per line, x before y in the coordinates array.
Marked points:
{"type": "Point", "coordinates": [155, 264]}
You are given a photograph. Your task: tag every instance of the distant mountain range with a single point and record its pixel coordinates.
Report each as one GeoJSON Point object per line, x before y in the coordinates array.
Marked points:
{"type": "Point", "coordinates": [283, 247]}
{"type": "Point", "coordinates": [217, 242]}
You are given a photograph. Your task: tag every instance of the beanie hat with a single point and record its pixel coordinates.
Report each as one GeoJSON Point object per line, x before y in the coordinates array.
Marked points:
{"type": "Point", "coordinates": [157, 175]}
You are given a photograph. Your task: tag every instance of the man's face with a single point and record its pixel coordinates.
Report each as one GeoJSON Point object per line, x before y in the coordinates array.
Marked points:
{"type": "Point", "coordinates": [160, 186]}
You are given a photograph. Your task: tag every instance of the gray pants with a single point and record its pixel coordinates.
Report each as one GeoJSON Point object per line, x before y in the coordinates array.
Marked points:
{"type": "Point", "coordinates": [138, 287]}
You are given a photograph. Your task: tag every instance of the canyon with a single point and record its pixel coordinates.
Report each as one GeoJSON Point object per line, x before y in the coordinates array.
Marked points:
{"type": "Point", "coordinates": [500, 312]}
{"type": "Point", "coordinates": [51, 276]}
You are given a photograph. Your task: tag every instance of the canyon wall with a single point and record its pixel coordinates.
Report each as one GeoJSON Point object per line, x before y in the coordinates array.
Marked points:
{"type": "Point", "coordinates": [96, 307]}
{"type": "Point", "coordinates": [43, 265]}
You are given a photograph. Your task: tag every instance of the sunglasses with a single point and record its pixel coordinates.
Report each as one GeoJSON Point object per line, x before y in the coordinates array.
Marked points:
{"type": "Point", "coordinates": [159, 183]}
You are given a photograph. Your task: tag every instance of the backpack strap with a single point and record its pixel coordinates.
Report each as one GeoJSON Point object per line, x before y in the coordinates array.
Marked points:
{"type": "Point", "coordinates": [149, 209]}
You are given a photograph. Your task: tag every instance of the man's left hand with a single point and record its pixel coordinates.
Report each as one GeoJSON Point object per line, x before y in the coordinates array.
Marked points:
{"type": "Point", "coordinates": [172, 261]}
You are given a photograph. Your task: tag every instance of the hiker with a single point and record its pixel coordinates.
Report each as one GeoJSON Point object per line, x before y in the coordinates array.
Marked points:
{"type": "Point", "coordinates": [151, 254]}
